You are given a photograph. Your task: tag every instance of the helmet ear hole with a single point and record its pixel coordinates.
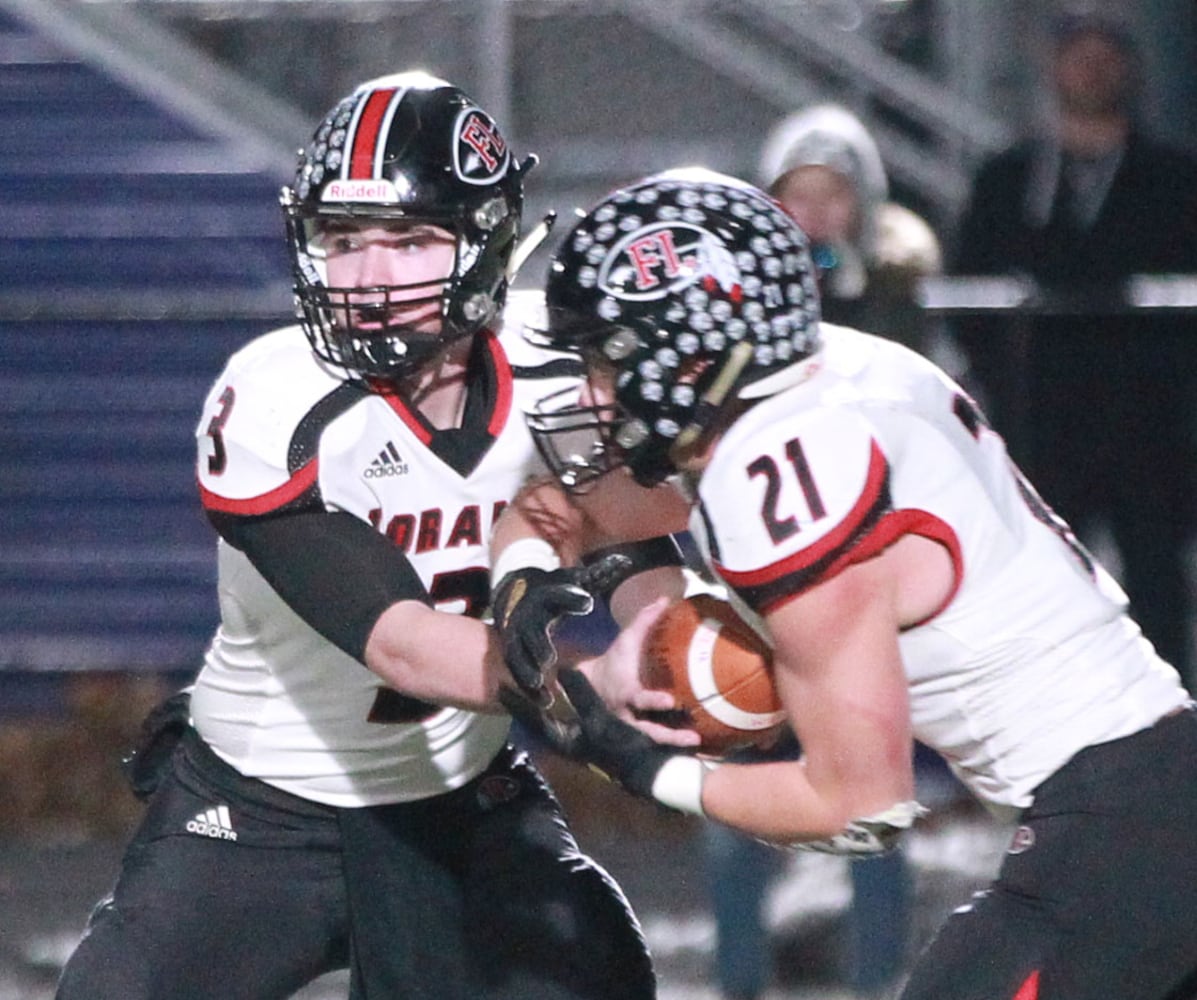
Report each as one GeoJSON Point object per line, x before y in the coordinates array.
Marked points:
{"type": "Point", "coordinates": [405, 148]}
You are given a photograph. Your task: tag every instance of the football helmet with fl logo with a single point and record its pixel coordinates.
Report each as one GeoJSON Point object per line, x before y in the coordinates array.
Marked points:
{"type": "Point", "coordinates": [691, 290]}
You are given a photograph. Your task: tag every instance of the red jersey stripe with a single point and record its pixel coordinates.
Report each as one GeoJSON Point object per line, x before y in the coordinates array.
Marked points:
{"type": "Point", "coordinates": [414, 423]}
{"type": "Point", "coordinates": [503, 386]}
{"type": "Point", "coordinates": [300, 481]}
{"type": "Point", "coordinates": [891, 528]}
{"type": "Point", "coordinates": [1030, 989]}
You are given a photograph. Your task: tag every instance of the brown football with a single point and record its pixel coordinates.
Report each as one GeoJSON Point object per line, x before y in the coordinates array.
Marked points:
{"type": "Point", "coordinates": [719, 670]}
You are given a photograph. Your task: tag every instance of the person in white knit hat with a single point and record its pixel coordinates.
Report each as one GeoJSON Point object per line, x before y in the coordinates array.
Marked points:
{"type": "Point", "coordinates": [825, 169]}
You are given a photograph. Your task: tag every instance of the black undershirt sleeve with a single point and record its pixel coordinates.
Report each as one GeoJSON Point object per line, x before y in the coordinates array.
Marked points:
{"type": "Point", "coordinates": [333, 570]}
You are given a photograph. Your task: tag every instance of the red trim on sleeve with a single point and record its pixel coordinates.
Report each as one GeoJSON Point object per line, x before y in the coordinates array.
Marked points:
{"type": "Point", "coordinates": [361, 162]}
{"type": "Point", "coordinates": [503, 386]}
{"type": "Point", "coordinates": [864, 507]}
{"type": "Point", "coordinates": [893, 527]}
{"type": "Point", "coordinates": [890, 529]}
{"type": "Point", "coordinates": [1030, 989]}
{"type": "Point", "coordinates": [301, 480]}
{"type": "Point", "coordinates": [919, 522]}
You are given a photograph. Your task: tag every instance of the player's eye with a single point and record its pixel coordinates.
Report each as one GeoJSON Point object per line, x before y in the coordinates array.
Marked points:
{"type": "Point", "coordinates": [418, 241]}
{"type": "Point", "coordinates": [411, 246]}
{"type": "Point", "coordinates": [332, 243]}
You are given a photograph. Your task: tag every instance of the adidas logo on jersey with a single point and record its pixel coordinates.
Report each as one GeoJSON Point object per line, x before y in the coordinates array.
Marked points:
{"type": "Point", "coordinates": [388, 463]}
{"type": "Point", "coordinates": [215, 823]}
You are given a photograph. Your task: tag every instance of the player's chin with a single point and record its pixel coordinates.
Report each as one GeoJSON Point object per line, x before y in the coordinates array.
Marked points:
{"type": "Point", "coordinates": [420, 321]}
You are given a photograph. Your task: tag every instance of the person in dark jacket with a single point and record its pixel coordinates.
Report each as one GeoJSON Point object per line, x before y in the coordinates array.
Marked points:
{"type": "Point", "coordinates": [1095, 396]}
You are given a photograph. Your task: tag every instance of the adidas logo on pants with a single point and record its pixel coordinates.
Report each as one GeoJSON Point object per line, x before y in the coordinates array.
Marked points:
{"type": "Point", "coordinates": [214, 823]}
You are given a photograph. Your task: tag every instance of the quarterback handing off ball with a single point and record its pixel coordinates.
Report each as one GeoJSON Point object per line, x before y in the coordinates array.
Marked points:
{"type": "Point", "coordinates": [719, 670]}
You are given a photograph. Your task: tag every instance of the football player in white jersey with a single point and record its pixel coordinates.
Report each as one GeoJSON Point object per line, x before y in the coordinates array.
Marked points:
{"type": "Point", "coordinates": [913, 584]}
{"type": "Point", "coordinates": [345, 793]}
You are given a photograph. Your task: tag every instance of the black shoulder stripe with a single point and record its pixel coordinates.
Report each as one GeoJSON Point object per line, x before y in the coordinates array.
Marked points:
{"type": "Point", "coordinates": [307, 557]}
{"type": "Point", "coordinates": [306, 438]}
{"type": "Point", "coordinates": [557, 368]}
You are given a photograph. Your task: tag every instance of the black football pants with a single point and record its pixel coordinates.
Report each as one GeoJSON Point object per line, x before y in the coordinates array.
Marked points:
{"type": "Point", "coordinates": [479, 894]}
{"type": "Point", "coordinates": [1097, 897]}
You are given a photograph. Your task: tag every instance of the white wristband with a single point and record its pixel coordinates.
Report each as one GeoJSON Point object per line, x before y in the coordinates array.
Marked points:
{"type": "Point", "coordinates": [524, 553]}
{"type": "Point", "coordinates": [679, 784]}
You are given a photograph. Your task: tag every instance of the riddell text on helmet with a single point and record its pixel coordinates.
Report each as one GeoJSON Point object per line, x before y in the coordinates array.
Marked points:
{"type": "Point", "coordinates": [379, 190]}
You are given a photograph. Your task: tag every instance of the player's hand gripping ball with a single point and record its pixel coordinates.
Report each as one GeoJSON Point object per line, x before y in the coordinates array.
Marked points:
{"type": "Point", "coordinates": [719, 670]}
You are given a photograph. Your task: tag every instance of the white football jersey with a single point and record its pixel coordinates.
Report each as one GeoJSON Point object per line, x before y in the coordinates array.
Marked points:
{"type": "Point", "coordinates": [1032, 658]}
{"type": "Point", "coordinates": [276, 699]}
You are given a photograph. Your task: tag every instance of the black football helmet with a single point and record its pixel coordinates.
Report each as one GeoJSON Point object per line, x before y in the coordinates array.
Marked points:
{"type": "Point", "coordinates": [693, 289]}
{"type": "Point", "coordinates": [415, 148]}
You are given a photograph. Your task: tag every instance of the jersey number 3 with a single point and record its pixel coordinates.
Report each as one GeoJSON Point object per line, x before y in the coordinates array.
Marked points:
{"type": "Point", "coordinates": [219, 457]}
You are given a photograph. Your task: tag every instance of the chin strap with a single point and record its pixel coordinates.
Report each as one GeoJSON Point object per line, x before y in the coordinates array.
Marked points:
{"type": "Point", "coordinates": [708, 406]}
{"type": "Point", "coordinates": [536, 236]}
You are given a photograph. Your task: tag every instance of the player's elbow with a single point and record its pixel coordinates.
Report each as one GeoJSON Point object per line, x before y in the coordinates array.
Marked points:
{"type": "Point", "coordinates": [394, 646]}
{"type": "Point", "coordinates": [442, 658]}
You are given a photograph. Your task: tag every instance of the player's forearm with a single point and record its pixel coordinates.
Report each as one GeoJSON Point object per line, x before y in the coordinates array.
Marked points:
{"type": "Point", "coordinates": [541, 512]}
{"type": "Point", "coordinates": [442, 658]}
{"type": "Point", "coordinates": [777, 802]}
{"type": "Point", "coordinates": [616, 510]}
{"type": "Point", "coordinates": [644, 588]}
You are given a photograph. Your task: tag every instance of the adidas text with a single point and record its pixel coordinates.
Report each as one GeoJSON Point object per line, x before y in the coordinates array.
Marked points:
{"type": "Point", "coordinates": [388, 463]}
{"type": "Point", "coordinates": [375, 472]}
{"type": "Point", "coordinates": [215, 823]}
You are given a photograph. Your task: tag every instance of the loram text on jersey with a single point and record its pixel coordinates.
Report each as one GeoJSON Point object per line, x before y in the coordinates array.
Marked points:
{"type": "Point", "coordinates": [425, 532]}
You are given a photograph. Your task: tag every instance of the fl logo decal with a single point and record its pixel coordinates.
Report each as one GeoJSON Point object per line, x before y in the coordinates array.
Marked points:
{"type": "Point", "coordinates": [480, 154]}
{"type": "Point", "coordinates": [665, 257]}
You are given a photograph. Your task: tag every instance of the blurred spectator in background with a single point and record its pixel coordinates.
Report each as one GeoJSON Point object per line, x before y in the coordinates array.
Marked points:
{"type": "Point", "coordinates": [1096, 402]}
{"type": "Point", "coordinates": [825, 169]}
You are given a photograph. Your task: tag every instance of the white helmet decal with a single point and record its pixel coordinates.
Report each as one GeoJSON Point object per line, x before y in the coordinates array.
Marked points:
{"type": "Point", "coordinates": [666, 257]}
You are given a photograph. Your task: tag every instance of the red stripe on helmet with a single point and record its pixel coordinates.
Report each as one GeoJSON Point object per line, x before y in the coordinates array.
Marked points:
{"type": "Point", "coordinates": [361, 159]}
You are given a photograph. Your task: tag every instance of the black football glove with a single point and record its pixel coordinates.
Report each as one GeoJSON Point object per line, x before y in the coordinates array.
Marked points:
{"type": "Point", "coordinates": [619, 750]}
{"type": "Point", "coordinates": [528, 604]}
{"type": "Point", "coordinates": [555, 723]}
